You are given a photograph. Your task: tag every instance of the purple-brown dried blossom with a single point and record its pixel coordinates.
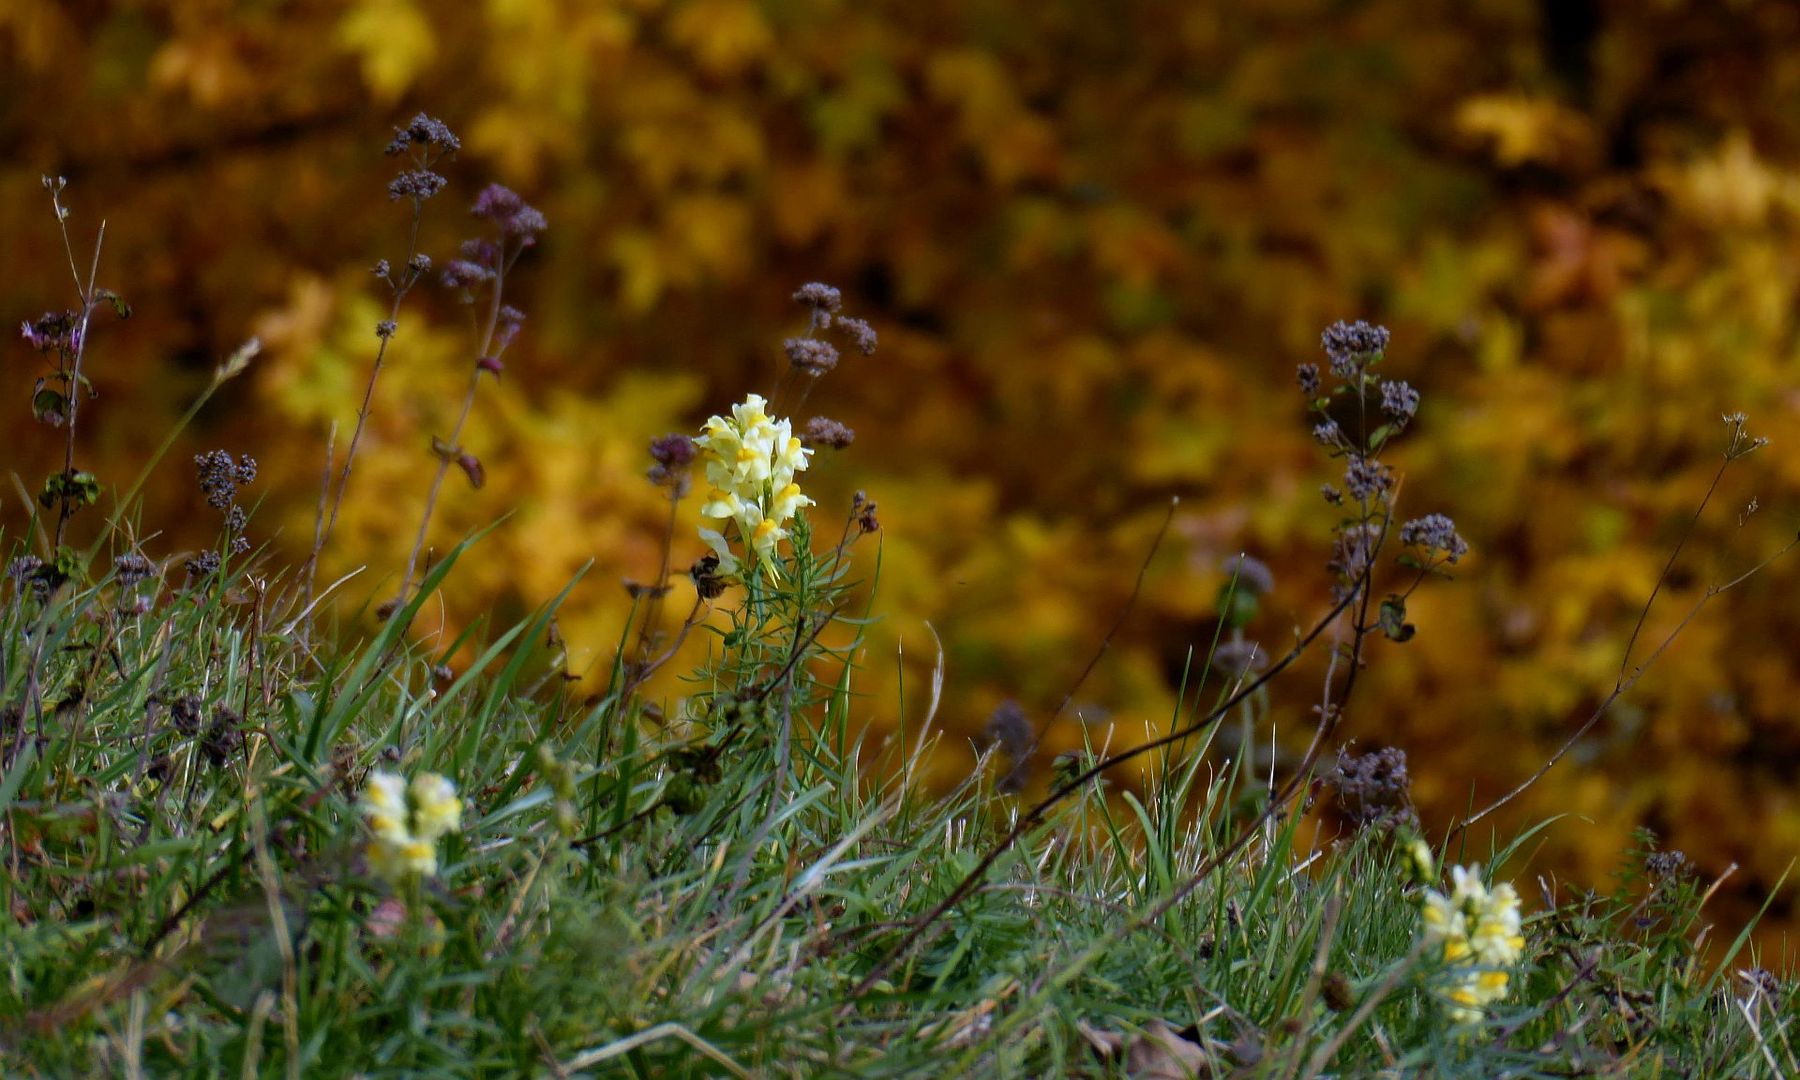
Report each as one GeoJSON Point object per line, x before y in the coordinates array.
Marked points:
{"type": "Point", "coordinates": [131, 568]}
{"type": "Point", "coordinates": [1308, 377]}
{"type": "Point", "coordinates": [1399, 400]}
{"type": "Point", "coordinates": [860, 333]}
{"type": "Point", "coordinates": [54, 330]}
{"type": "Point", "coordinates": [1252, 575]}
{"type": "Point", "coordinates": [1367, 479]}
{"type": "Point", "coordinates": [497, 202]}
{"type": "Point", "coordinates": [425, 134]}
{"type": "Point", "coordinates": [184, 714]}
{"type": "Point", "coordinates": [507, 329]}
{"type": "Point", "coordinates": [415, 184]}
{"type": "Point", "coordinates": [1374, 789]}
{"type": "Point", "coordinates": [1435, 533]}
{"type": "Point", "coordinates": [525, 225]}
{"type": "Point", "coordinates": [819, 296]}
{"type": "Point", "coordinates": [465, 274]}
{"type": "Point", "coordinates": [220, 476]}
{"type": "Point", "coordinates": [826, 432]}
{"type": "Point", "coordinates": [1665, 865]}
{"type": "Point", "coordinates": [862, 509]}
{"type": "Point", "coordinates": [1350, 346]}
{"type": "Point", "coordinates": [674, 451]}
{"type": "Point", "coordinates": [503, 206]}
{"type": "Point", "coordinates": [810, 356]}
{"type": "Point", "coordinates": [484, 253]}
{"type": "Point", "coordinates": [223, 736]}
{"type": "Point", "coordinates": [27, 573]}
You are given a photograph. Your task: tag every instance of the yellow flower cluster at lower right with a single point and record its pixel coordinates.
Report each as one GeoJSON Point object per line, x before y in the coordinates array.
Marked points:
{"type": "Point", "coordinates": [1478, 935]}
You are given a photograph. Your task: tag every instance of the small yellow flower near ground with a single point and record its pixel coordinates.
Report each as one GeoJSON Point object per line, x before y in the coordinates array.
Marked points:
{"type": "Point", "coordinates": [1478, 935]}
{"type": "Point", "coordinates": [406, 821]}
{"type": "Point", "coordinates": [751, 461]}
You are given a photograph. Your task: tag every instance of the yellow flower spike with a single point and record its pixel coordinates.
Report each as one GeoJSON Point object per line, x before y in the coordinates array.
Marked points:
{"type": "Point", "coordinates": [405, 822]}
{"type": "Point", "coordinates": [751, 460]}
{"type": "Point", "coordinates": [436, 809]}
{"type": "Point", "coordinates": [1477, 933]}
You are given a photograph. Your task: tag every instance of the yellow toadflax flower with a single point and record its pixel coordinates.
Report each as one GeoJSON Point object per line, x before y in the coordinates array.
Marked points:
{"type": "Point", "coordinates": [1478, 936]}
{"type": "Point", "coordinates": [406, 822]}
{"type": "Point", "coordinates": [751, 460]}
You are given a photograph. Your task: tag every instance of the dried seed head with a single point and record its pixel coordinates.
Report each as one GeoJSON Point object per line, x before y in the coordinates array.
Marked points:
{"type": "Point", "coordinates": [824, 431]}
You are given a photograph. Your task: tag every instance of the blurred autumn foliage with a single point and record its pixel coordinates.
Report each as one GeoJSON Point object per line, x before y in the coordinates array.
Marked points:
{"type": "Point", "coordinates": [1096, 239]}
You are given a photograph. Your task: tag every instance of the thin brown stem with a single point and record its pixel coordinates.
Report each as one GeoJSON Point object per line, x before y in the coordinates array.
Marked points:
{"type": "Point", "coordinates": [1330, 713]}
{"type": "Point", "coordinates": [1626, 682]}
{"type": "Point", "coordinates": [1106, 641]}
{"type": "Point", "coordinates": [1693, 521]}
{"type": "Point", "coordinates": [65, 506]}
{"type": "Point", "coordinates": [322, 534]}
{"type": "Point", "coordinates": [1035, 814]}
{"type": "Point", "coordinates": [653, 610]}
{"type": "Point", "coordinates": [641, 673]}
{"type": "Point", "coordinates": [448, 452]}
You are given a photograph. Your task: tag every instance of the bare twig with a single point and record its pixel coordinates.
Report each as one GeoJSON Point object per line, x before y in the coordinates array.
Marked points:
{"type": "Point", "coordinates": [1035, 814]}
{"type": "Point", "coordinates": [1626, 682]}
{"type": "Point", "coordinates": [1106, 642]}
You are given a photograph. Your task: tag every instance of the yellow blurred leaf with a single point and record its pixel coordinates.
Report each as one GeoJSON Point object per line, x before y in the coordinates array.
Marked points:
{"type": "Point", "coordinates": [1522, 130]}
{"type": "Point", "coordinates": [724, 36]}
{"type": "Point", "coordinates": [392, 39]}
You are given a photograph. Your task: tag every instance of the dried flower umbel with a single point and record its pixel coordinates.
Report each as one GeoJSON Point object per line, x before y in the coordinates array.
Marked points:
{"type": "Point", "coordinates": [672, 454]}
{"type": "Point", "coordinates": [129, 571]}
{"type": "Point", "coordinates": [220, 477]}
{"type": "Point", "coordinates": [1353, 347]}
{"type": "Point", "coordinates": [822, 431]}
{"type": "Point", "coordinates": [1374, 789]}
{"type": "Point", "coordinates": [812, 356]}
{"type": "Point", "coordinates": [1369, 412]}
{"type": "Point", "coordinates": [1667, 865]}
{"type": "Point", "coordinates": [32, 576]}
{"type": "Point", "coordinates": [1436, 536]}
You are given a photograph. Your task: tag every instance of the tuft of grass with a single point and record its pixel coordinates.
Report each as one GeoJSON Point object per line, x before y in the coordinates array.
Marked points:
{"type": "Point", "coordinates": [622, 901]}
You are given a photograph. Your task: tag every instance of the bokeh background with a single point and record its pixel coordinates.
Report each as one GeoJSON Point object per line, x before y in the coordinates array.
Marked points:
{"type": "Point", "coordinates": [1096, 239]}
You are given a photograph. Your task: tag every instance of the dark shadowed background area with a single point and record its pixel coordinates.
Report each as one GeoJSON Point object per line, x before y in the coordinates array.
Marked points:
{"type": "Point", "coordinates": [1095, 239]}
